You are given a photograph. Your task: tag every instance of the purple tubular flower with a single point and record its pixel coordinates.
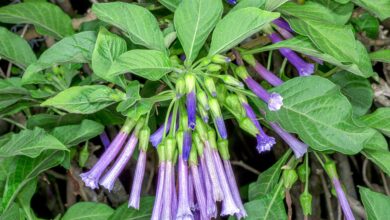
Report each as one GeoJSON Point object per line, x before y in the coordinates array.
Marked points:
{"type": "Point", "coordinates": [183, 210]}
{"type": "Point", "coordinates": [231, 2]}
{"type": "Point", "coordinates": [191, 109]}
{"type": "Point", "coordinates": [264, 142]}
{"type": "Point", "coordinates": [187, 145]}
{"type": "Point", "coordinates": [343, 200]}
{"type": "Point", "coordinates": [274, 100]}
{"type": "Point", "coordinates": [157, 136]}
{"type": "Point", "coordinates": [199, 191]}
{"type": "Point", "coordinates": [220, 123]}
{"type": "Point", "coordinates": [304, 68]}
{"type": "Point", "coordinates": [282, 24]}
{"type": "Point", "coordinates": [229, 207]}
{"type": "Point", "coordinates": [211, 207]}
{"type": "Point", "coordinates": [167, 205]}
{"type": "Point", "coordinates": [297, 146]}
{"type": "Point", "coordinates": [191, 200]}
{"type": "Point", "coordinates": [137, 182]}
{"type": "Point", "coordinates": [212, 171]}
{"type": "Point", "coordinates": [174, 193]}
{"type": "Point", "coordinates": [267, 75]}
{"type": "Point", "coordinates": [110, 177]}
{"type": "Point", "coordinates": [234, 189]}
{"type": "Point", "coordinates": [91, 178]}
{"type": "Point", "coordinates": [156, 215]}
{"type": "Point", "coordinates": [104, 139]}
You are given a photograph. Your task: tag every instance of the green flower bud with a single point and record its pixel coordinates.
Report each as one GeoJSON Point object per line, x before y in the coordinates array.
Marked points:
{"type": "Point", "coordinates": [249, 58]}
{"type": "Point", "coordinates": [129, 125]}
{"type": "Point", "coordinates": [197, 142]}
{"type": "Point", "coordinates": [219, 59]}
{"type": "Point", "coordinates": [193, 158]}
{"type": "Point", "coordinates": [170, 144]}
{"type": "Point", "coordinates": [201, 97]}
{"type": "Point", "coordinates": [221, 92]}
{"type": "Point", "coordinates": [302, 172]}
{"type": "Point", "coordinates": [180, 87]}
{"type": "Point", "coordinates": [203, 113]}
{"type": "Point", "coordinates": [214, 107]}
{"type": "Point", "coordinates": [247, 125]}
{"type": "Point", "coordinates": [241, 72]}
{"type": "Point", "coordinates": [213, 68]}
{"type": "Point", "coordinates": [306, 203]}
{"type": "Point", "coordinates": [289, 176]}
{"type": "Point", "coordinates": [161, 151]}
{"type": "Point", "coordinates": [183, 120]}
{"type": "Point", "coordinates": [180, 140]}
{"type": "Point", "coordinates": [190, 82]}
{"type": "Point", "coordinates": [144, 135]}
{"type": "Point", "coordinates": [175, 60]}
{"type": "Point", "coordinates": [212, 138]}
{"type": "Point", "coordinates": [205, 61]}
{"type": "Point", "coordinates": [223, 148]}
{"type": "Point", "coordinates": [201, 129]}
{"type": "Point", "coordinates": [140, 124]}
{"type": "Point", "coordinates": [331, 170]}
{"type": "Point", "coordinates": [230, 80]}
{"type": "Point", "coordinates": [210, 86]}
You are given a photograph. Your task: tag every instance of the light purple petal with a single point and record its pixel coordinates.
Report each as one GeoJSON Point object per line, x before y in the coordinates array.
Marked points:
{"type": "Point", "coordinates": [156, 215]}
{"type": "Point", "coordinates": [343, 200]}
{"type": "Point", "coordinates": [234, 189]}
{"type": "Point", "coordinates": [183, 210]}
{"type": "Point", "coordinates": [221, 127]}
{"type": "Point", "coordinates": [137, 182]}
{"type": "Point", "coordinates": [191, 109]}
{"type": "Point", "coordinates": [199, 191]}
{"type": "Point", "coordinates": [299, 148]}
{"type": "Point", "coordinates": [275, 102]}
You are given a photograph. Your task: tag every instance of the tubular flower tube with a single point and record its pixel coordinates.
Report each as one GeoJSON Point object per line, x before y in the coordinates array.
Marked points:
{"type": "Point", "coordinates": [228, 205]}
{"type": "Point", "coordinates": [105, 140]}
{"type": "Point", "coordinates": [270, 77]}
{"type": "Point", "coordinates": [212, 171]}
{"type": "Point", "coordinates": [157, 136]}
{"type": "Point", "coordinates": [282, 24]}
{"type": "Point", "coordinates": [231, 2]}
{"type": "Point", "coordinates": [264, 142]}
{"type": "Point", "coordinates": [191, 109]}
{"type": "Point", "coordinates": [219, 122]}
{"type": "Point", "coordinates": [191, 200]}
{"type": "Point", "coordinates": [343, 200]}
{"type": "Point", "coordinates": [183, 210]}
{"type": "Point", "coordinates": [299, 148]}
{"type": "Point", "coordinates": [167, 195]}
{"type": "Point", "coordinates": [137, 182]}
{"type": "Point", "coordinates": [156, 215]}
{"type": "Point", "coordinates": [187, 144]}
{"type": "Point", "coordinates": [210, 203]}
{"type": "Point", "coordinates": [234, 189]}
{"type": "Point", "coordinates": [199, 191]}
{"type": "Point", "coordinates": [304, 68]}
{"type": "Point", "coordinates": [91, 178]}
{"type": "Point", "coordinates": [110, 177]}
{"type": "Point", "coordinates": [174, 193]}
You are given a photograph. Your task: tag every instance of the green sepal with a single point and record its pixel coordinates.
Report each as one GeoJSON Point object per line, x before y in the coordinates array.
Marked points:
{"type": "Point", "coordinates": [223, 148]}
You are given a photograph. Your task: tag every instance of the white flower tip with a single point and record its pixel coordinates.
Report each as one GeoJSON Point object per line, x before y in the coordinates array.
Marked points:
{"type": "Point", "coordinates": [275, 102]}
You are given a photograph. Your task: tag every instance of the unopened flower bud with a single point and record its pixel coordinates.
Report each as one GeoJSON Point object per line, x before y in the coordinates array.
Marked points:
{"type": "Point", "coordinates": [331, 170]}
{"type": "Point", "coordinates": [289, 176]}
{"type": "Point", "coordinates": [201, 129]}
{"type": "Point", "coordinates": [210, 85]}
{"type": "Point", "coordinates": [212, 138]}
{"type": "Point", "coordinates": [170, 145]}
{"type": "Point", "coordinates": [201, 96]}
{"type": "Point", "coordinates": [220, 59]}
{"type": "Point", "coordinates": [197, 143]}
{"type": "Point", "coordinates": [180, 140]}
{"type": "Point", "coordinates": [223, 148]}
{"type": "Point", "coordinates": [190, 81]}
{"type": "Point", "coordinates": [303, 172]}
{"type": "Point", "coordinates": [241, 72]}
{"type": "Point", "coordinates": [221, 92]}
{"type": "Point", "coordinates": [144, 135]}
{"type": "Point", "coordinates": [205, 61]}
{"type": "Point", "coordinates": [306, 203]}
{"type": "Point", "coordinates": [180, 87]}
{"type": "Point", "coordinates": [230, 80]}
{"type": "Point", "coordinates": [204, 114]}
{"type": "Point", "coordinates": [213, 68]}
{"type": "Point", "coordinates": [247, 125]}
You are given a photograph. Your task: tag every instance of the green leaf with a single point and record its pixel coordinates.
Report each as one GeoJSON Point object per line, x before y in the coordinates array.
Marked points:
{"type": "Point", "coordinates": [237, 26]}
{"type": "Point", "coordinates": [380, 157]}
{"type": "Point", "coordinates": [47, 18]}
{"type": "Point", "coordinates": [137, 22]}
{"type": "Point", "coordinates": [77, 48]}
{"type": "Point", "coordinates": [107, 49]}
{"type": "Point", "coordinates": [125, 213]}
{"type": "Point", "coordinates": [357, 89]}
{"type": "Point", "coordinates": [14, 213]}
{"type": "Point", "coordinates": [27, 169]}
{"type": "Point", "coordinates": [342, 10]}
{"type": "Point", "coordinates": [50, 121]}
{"type": "Point", "coordinates": [381, 56]}
{"type": "Point", "coordinates": [268, 207]}
{"type": "Point", "coordinates": [380, 8]}
{"type": "Point", "coordinates": [24, 198]}
{"type": "Point", "coordinates": [303, 45]}
{"type": "Point", "coordinates": [368, 24]}
{"type": "Point", "coordinates": [15, 49]}
{"type": "Point", "coordinates": [376, 204]}
{"type": "Point", "coordinates": [271, 5]}
{"type": "Point", "coordinates": [142, 107]}
{"type": "Point", "coordinates": [72, 135]}
{"type": "Point", "coordinates": [88, 211]}
{"type": "Point", "coordinates": [170, 4]}
{"type": "Point", "coordinates": [194, 21]}
{"type": "Point", "coordinates": [248, 3]}
{"type": "Point", "coordinates": [11, 92]}
{"type": "Point", "coordinates": [30, 143]}
{"type": "Point", "coordinates": [315, 109]}
{"type": "Point", "coordinates": [316, 12]}
{"type": "Point", "coordinates": [335, 40]}
{"type": "Point", "coordinates": [84, 99]}
{"type": "Point", "coordinates": [267, 180]}
{"type": "Point", "coordinates": [132, 96]}
{"type": "Point", "coordinates": [380, 120]}
{"type": "Point", "coordinates": [149, 64]}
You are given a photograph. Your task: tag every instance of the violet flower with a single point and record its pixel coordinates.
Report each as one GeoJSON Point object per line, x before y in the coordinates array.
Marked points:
{"type": "Point", "coordinates": [187, 144]}
{"type": "Point", "coordinates": [212, 170]}
{"type": "Point", "coordinates": [138, 179]}
{"type": "Point", "coordinates": [156, 214]}
{"type": "Point", "coordinates": [199, 191]}
{"type": "Point", "coordinates": [191, 199]}
{"type": "Point", "coordinates": [191, 109]}
{"type": "Point", "coordinates": [234, 189]}
{"type": "Point", "coordinates": [183, 210]}
{"type": "Point", "coordinates": [304, 68]}
{"type": "Point", "coordinates": [283, 24]}
{"type": "Point", "coordinates": [110, 177]}
{"type": "Point", "coordinates": [210, 203]}
{"type": "Point", "coordinates": [274, 100]}
{"type": "Point", "coordinates": [174, 193]}
{"type": "Point", "coordinates": [299, 148]}
{"type": "Point", "coordinates": [219, 122]}
{"type": "Point", "coordinates": [270, 77]}
{"type": "Point", "coordinates": [91, 178]}
{"type": "Point", "coordinates": [264, 142]}
{"type": "Point", "coordinates": [157, 136]}
{"type": "Point", "coordinates": [343, 200]}
{"type": "Point", "coordinates": [167, 195]}
{"type": "Point", "coordinates": [231, 2]}
{"type": "Point", "coordinates": [105, 139]}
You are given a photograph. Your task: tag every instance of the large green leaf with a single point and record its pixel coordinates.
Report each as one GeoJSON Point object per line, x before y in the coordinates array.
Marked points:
{"type": "Point", "coordinates": [303, 45]}
{"type": "Point", "coordinates": [11, 92]}
{"type": "Point", "coordinates": [88, 211]}
{"type": "Point", "coordinates": [336, 40]}
{"type": "Point", "coordinates": [194, 20]}
{"type": "Point", "coordinates": [30, 143]}
{"type": "Point", "coordinates": [84, 99]}
{"type": "Point", "coordinates": [357, 89]}
{"type": "Point", "coordinates": [238, 25]}
{"type": "Point", "coordinates": [125, 213]}
{"type": "Point", "coordinates": [132, 96]}
{"type": "Point", "coordinates": [377, 151]}
{"type": "Point", "coordinates": [343, 10]}
{"type": "Point", "coordinates": [271, 5]}
{"type": "Point", "coordinates": [108, 47]}
{"type": "Point", "coordinates": [149, 64]}
{"type": "Point", "coordinates": [14, 213]}
{"type": "Point", "coordinates": [137, 22]}
{"type": "Point", "coordinates": [380, 8]}
{"type": "Point", "coordinates": [380, 120]}
{"type": "Point", "coordinates": [267, 180]}
{"type": "Point", "coordinates": [47, 18]}
{"type": "Point", "coordinates": [27, 169]}
{"type": "Point", "coordinates": [72, 135]}
{"type": "Point", "coordinates": [268, 207]}
{"type": "Point", "coordinates": [317, 12]}
{"type": "Point", "coordinates": [170, 4]}
{"type": "Point", "coordinates": [73, 49]}
{"type": "Point", "coordinates": [15, 49]}
{"type": "Point", "coordinates": [381, 56]}
{"type": "Point", "coordinates": [315, 109]}
{"type": "Point", "coordinates": [248, 3]}
{"type": "Point", "coordinates": [376, 204]}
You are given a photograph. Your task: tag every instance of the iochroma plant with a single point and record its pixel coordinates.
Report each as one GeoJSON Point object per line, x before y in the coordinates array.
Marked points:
{"type": "Point", "coordinates": [193, 84]}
